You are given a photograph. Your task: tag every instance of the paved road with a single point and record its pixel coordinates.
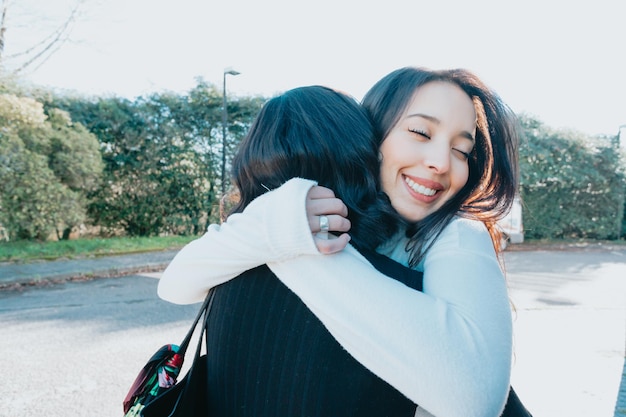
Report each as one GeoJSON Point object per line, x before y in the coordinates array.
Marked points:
{"type": "Point", "coordinates": [570, 331]}
{"type": "Point", "coordinates": [74, 348]}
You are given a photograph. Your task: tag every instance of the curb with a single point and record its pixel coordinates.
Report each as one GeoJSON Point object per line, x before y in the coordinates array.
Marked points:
{"type": "Point", "coordinates": [15, 275]}
{"type": "Point", "coordinates": [37, 280]}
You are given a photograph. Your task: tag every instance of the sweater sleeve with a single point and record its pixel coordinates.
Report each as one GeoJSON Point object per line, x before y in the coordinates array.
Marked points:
{"type": "Point", "coordinates": [269, 229]}
{"type": "Point", "coordinates": [448, 349]}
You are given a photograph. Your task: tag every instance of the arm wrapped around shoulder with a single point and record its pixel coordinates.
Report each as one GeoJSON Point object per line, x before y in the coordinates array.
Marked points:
{"type": "Point", "coordinates": [448, 348]}
{"type": "Point", "coordinates": [273, 227]}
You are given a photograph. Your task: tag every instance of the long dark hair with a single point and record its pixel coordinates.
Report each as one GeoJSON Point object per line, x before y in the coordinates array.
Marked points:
{"type": "Point", "coordinates": [320, 134]}
{"type": "Point", "coordinates": [493, 164]}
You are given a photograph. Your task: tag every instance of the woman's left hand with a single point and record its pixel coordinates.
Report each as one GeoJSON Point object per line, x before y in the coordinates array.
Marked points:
{"type": "Point", "coordinates": [323, 209]}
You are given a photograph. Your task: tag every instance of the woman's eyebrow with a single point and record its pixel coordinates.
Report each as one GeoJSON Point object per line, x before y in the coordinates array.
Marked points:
{"type": "Point", "coordinates": [465, 134]}
{"type": "Point", "coordinates": [468, 135]}
{"type": "Point", "coordinates": [425, 116]}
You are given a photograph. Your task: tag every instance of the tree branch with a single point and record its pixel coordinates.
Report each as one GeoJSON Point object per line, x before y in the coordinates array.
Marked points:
{"type": "Point", "coordinates": [41, 51]}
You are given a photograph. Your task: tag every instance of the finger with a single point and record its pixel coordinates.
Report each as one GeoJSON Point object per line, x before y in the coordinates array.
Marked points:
{"type": "Point", "coordinates": [336, 223]}
{"type": "Point", "coordinates": [333, 245]}
{"type": "Point", "coordinates": [317, 192]}
{"type": "Point", "coordinates": [317, 207]}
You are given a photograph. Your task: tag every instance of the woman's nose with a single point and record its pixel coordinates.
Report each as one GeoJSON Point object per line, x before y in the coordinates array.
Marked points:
{"type": "Point", "coordinates": [438, 158]}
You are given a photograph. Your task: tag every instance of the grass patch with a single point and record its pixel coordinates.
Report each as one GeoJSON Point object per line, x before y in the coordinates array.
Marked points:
{"type": "Point", "coordinates": [22, 251]}
{"type": "Point", "coordinates": [568, 244]}
{"type": "Point", "coordinates": [80, 248]}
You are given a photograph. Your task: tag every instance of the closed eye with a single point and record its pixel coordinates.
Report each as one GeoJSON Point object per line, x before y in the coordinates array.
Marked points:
{"type": "Point", "coordinates": [420, 133]}
{"type": "Point", "coordinates": [465, 155]}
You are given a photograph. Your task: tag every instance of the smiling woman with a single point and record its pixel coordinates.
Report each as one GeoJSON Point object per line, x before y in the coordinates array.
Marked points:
{"type": "Point", "coordinates": [424, 156]}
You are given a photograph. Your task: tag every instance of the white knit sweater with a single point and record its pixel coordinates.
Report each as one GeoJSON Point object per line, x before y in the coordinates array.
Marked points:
{"type": "Point", "coordinates": [447, 348]}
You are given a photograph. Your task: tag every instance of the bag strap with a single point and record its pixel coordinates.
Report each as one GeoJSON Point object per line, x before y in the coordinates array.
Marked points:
{"type": "Point", "coordinates": [183, 397]}
{"type": "Point", "coordinates": [204, 310]}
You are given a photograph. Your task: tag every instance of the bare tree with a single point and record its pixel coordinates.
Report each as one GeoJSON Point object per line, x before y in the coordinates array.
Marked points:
{"type": "Point", "coordinates": [40, 51]}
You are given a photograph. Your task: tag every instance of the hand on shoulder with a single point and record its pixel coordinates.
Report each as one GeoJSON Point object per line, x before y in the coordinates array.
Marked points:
{"type": "Point", "coordinates": [327, 213]}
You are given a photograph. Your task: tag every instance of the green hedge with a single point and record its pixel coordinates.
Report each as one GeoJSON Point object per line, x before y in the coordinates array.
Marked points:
{"type": "Point", "coordinates": [572, 186]}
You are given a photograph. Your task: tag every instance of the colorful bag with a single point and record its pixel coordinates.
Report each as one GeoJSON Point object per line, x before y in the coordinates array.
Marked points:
{"type": "Point", "coordinates": [159, 376]}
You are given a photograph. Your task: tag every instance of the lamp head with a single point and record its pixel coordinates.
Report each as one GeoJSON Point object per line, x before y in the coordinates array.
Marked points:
{"type": "Point", "coordinates": [231, 71]}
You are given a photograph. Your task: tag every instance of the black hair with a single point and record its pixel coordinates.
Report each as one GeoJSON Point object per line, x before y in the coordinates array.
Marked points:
{"type": "Point", "coordinates": [324, 135]}
{"type": "Point", "coordinates": [493, 164]}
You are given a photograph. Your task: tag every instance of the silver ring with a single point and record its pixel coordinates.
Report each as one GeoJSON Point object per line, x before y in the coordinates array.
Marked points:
{"type": "Point", "coordinates": [324, 224]}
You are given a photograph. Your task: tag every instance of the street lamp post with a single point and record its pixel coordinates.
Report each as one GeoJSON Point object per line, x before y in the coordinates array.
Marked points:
{"type": "Point", "coordinates": [619, 136]}
{"type": "Point", "coordinates": [227, 71]}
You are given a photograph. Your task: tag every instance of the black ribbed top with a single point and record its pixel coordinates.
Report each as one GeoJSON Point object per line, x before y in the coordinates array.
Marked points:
{"type": "Point", "coordinates": [269, 355]}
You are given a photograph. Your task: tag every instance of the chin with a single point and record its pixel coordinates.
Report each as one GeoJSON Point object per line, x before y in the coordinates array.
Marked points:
{"type": "Point", "coordinates": [411, 217]}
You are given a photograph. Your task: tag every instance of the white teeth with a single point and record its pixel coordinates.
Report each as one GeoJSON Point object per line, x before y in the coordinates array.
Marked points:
{"type": "Point", "coordinates": [419, 188]}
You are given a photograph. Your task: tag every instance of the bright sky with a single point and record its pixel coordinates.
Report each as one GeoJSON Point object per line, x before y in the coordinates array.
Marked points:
{"type": "Point", "coordinates": [561, 61]}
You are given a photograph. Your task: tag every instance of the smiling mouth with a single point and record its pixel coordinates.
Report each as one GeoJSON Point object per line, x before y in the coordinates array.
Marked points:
{"type": "Point", "coordinates": [420, 189]}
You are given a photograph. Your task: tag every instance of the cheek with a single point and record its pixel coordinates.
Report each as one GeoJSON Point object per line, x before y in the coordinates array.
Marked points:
{"type": "Point", "coordinates": [391, 152]}
{"type": "Point", "coordinates": [385, 175]}
{"type": "Point", "coordinates": [461, 175]}
{"type": "Point", "coordinates": [386, 159]}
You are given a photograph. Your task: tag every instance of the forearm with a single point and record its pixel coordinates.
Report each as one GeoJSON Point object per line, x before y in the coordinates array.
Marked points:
{"type": "Point", "coordinates": [207, 262]}
{"type": "Point", "coordinates": [269, 229]}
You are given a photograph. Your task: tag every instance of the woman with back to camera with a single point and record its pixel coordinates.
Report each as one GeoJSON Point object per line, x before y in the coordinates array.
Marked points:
{"type": "Point", "coordinates": [448, 164]}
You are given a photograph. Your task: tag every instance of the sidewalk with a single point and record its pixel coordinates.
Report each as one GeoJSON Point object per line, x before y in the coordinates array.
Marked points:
{"type": "Point", "coordinates": [569, 330]}
{"type": "Point", "coordinates": [12, 274]}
